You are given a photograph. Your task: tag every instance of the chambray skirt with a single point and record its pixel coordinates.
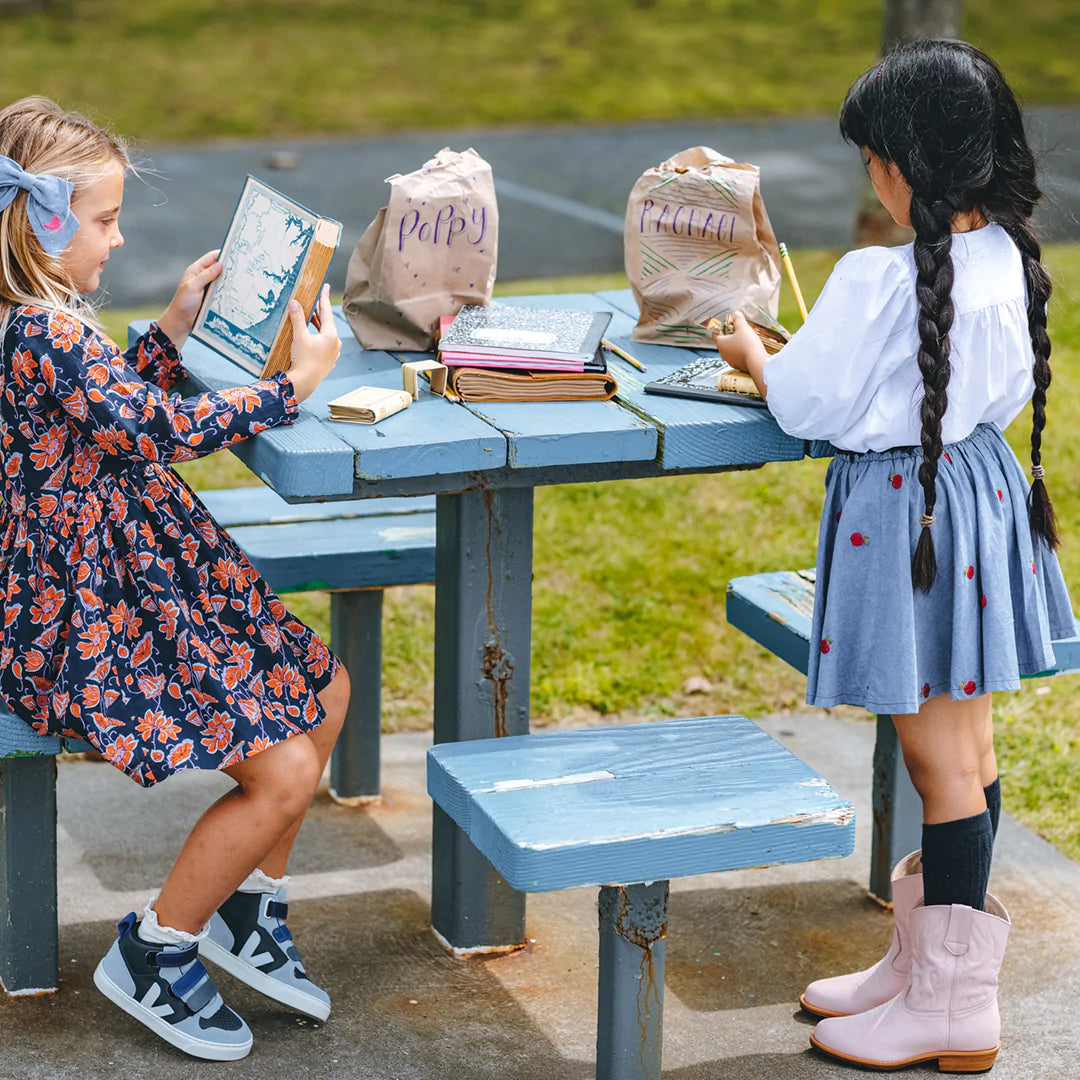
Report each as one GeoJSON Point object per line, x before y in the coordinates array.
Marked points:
{"type": "Point", "coordinates": [997, 603]}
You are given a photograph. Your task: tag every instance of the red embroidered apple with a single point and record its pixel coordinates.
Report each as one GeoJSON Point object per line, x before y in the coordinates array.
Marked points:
{"type": "Point", "coordinates": [926, 690]}
{"type": "Point", "coordinates": [969, 687]}
{"type": "Point", "coordinates": [859, 540]}
{"type": "Point", "coordinates": [896, 480]}
{"type": "Point", "coordinates": [969, 573]}
{"type": "Point", "coordinates": [826, 645]}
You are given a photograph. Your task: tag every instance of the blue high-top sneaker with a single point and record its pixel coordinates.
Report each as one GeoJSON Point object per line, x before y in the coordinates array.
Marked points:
{"type": "Point", "coordinates": [249, 939]}
{"type": "Point", "coordinates": [167, 988]}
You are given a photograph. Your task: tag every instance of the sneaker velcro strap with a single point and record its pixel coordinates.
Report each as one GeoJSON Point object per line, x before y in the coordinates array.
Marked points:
{"type": "Point", "coordinates": [190, 979]}
{"type": "Point", "coordinates": [176, 957]}
{"type": "Point", "coordinates": [275, 909]}
{"type": "Point", "coordinates": [202, 995]}
{"type": "Point", "coordinates": [281, 934]}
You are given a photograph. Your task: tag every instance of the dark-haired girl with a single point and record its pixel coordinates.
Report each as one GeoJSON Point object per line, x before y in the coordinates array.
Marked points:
{"type": "Point", "coordinates": [937, 582]}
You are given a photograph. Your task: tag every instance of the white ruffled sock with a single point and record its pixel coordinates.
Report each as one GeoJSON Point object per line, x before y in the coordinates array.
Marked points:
{"type": "Point", "coordinates": [258, 882]}
{"type": "Point", "coordinates": [153, 933]}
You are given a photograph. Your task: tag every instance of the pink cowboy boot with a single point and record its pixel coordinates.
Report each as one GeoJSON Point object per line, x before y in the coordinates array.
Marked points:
{"type": "Point", "coordinates": [843, 995]}
{"type": "Point", "coordinates": [948, 1009]}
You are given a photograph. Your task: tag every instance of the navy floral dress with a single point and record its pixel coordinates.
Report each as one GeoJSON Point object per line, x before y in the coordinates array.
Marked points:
{"type": "Point", "coordinates": [130, 618]}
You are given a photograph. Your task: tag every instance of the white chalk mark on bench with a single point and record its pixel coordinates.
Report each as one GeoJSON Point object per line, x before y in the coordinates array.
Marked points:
{"type": "Point", "coordinates": [554, 781]}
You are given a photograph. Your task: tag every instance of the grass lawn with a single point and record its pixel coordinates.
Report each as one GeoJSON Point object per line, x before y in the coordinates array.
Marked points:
{"type": "Point", "coordinates": [175, 70]}
{"type": "Point", "coordinates": [638, 606]}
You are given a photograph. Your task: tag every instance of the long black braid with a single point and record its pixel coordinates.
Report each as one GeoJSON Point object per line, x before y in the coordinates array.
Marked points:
{"type": "Point", "coordinates": [933, 288]}
{"type": "Point", "coordinates": [942, 113]}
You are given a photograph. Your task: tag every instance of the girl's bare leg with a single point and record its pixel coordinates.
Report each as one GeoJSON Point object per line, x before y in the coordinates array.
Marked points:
{"type": "Point", "coordinates": [245, 826]}
{"type": "Point", "coordinates": [335, 700]}
{"type": "Point", "coordinates": [948, 748]}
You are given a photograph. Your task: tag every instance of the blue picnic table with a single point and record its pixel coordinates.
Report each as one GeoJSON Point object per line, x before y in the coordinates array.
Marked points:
{"type": "Point", "coordinates": [483, 461]}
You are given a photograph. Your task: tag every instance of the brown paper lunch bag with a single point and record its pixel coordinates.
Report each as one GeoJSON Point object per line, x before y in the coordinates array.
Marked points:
{"type": "Point", "coordinates": [698, 244]}
{"type": "Point", "coordinates": [430, 250]}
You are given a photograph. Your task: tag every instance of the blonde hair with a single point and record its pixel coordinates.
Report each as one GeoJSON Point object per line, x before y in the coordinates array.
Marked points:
{"type": "Point", "coordinates": [43, 138]}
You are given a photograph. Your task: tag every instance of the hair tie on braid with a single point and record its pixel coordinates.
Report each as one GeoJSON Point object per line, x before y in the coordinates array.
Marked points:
{"type": "Point", "coordinates": [1037, 472]}
{"type": "Point", "coordinates": [927, 520]}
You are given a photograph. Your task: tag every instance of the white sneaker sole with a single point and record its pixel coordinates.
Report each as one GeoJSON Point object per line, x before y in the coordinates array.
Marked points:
{"type": "Point", "coordinates": [199, 1048]}
{"type": "Point", "coordinates": [265, 984]}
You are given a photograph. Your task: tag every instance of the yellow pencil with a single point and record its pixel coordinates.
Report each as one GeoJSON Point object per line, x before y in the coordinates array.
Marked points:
{"type": "Point", "coordinates": [785, 258]}
{"type": "Point", "coordinates": [625, 355]}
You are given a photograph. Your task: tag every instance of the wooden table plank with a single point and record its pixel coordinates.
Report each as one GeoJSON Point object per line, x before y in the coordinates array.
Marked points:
{"type": "Point", "coordinates": [429, 438]}
{"type": "Point", "coordinates": [623, 300]}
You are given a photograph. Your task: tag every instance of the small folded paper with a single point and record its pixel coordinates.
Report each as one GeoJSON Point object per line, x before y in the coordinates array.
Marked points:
{"type": "Point", "coordinates": [368, 404]}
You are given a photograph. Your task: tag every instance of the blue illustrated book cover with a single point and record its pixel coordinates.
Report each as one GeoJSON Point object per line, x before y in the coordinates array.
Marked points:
{"type": "Point", "coordinates": [274, 249]}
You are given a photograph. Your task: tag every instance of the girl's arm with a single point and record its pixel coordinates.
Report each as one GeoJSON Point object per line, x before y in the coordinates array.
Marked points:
{"type": "Point", "coordinates": [107, 401]}
{"type": "Point", "coordinates": [156, 355]}
{"type": "Point", "coordinates": [828, 373]}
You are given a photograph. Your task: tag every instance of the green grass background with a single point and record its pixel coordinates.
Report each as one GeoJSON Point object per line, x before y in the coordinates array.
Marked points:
{"type": "Point", "coordinates": [176, 70]}
{"type": "Point", "coordinates": [628, 597]}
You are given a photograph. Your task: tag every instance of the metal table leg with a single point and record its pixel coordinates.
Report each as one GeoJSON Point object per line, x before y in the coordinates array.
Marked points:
{"type": "Point", "coordinates": [356, 637]}
{"type": "Point", "coordinates": [28, 936]}
{"type": "Point", "coordinates": [630, 1008]}
{"type": "Point", "coordinates": [897, 811]}
{"type": "Point", "coordinates": [483, 614]}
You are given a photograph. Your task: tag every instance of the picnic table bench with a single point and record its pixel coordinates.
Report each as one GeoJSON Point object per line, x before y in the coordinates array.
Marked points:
{"type": "Point", "coordinates": [626, 809]}
{"type": "Point", "coordinates": [356, 549]}
{"type": "Point", "coordinates": [776, 610]}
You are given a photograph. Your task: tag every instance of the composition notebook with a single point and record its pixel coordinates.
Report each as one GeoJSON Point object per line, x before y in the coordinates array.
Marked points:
{"type": "Point", "coordinates": [526, 332]}
{"type": "Point", "coordinates": [274, 250]}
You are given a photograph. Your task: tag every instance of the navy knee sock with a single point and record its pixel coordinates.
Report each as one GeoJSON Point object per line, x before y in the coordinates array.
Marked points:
{"type": "Point", "coordinates": [956, 861]}
{"type": "Point", "coordinates": [992, 791]}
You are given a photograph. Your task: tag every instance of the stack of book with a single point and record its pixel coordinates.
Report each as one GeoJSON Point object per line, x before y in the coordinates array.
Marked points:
{"type": "Point", "coordinates": [526, 354]}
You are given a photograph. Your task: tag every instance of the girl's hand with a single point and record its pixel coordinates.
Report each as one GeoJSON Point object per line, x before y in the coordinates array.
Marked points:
{"type": "Point", "coordinates": [313, 354]}
{"type": "Point", "coordinates": [743, 350]}
{"type": "Point", "coordinates": [179, 316]}
{"type": "Point", "coordinates": [737, 347]}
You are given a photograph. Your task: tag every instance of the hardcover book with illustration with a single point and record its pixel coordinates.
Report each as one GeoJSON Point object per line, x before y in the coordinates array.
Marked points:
{"type": "Point", "coordinates": [274, 250]}
{"type": "Point", "coordinates": [709, 379]}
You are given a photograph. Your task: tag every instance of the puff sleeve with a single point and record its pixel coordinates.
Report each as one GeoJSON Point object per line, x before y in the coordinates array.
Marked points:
{"type": "Point", "coordinates": [827, 375]}
{"type": "Point", "coordinates": [156, 359]}
{"type": "Point", "coordinates": [107, 401]}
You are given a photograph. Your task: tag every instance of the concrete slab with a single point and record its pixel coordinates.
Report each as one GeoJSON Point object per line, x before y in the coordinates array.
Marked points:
{"type": "Point", "coordinates": [741, 947]}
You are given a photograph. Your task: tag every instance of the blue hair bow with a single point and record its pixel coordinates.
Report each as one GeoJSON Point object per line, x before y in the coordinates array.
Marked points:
{"type": "Point", "coordinates": [48, 204]}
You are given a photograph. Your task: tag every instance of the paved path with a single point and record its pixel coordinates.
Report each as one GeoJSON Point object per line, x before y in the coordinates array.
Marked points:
{"type": "Point", "coordinates": [562, 191]}
{"type": "Point", "coordinates": [741, 947]}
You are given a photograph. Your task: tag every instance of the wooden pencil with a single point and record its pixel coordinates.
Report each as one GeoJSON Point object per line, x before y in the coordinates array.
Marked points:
{"type": "Point", "coordinates": [625, 355]}
{"type": "Point", "coordinates": [785, 258]}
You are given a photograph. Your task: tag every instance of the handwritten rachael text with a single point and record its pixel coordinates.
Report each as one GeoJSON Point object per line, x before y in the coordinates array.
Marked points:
{"type": "Point", "coordinates": [678, 220]}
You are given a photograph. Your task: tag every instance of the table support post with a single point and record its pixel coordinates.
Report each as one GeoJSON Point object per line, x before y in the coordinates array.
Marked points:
{"type": "Point", "coordinates": [356, 638]}
{"type": "Point", "coordinates": [897, 811]}
{"type": "Point", "coordinates": [630, 1006]}
{"type": "Point", "coordinates": [28, 936]}
{"type": "Point", "coordinates": [483, 615]}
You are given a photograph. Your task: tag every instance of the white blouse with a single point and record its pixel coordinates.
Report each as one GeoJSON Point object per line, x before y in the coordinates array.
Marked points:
{"type": "Point", "coordinates": [850, 374]}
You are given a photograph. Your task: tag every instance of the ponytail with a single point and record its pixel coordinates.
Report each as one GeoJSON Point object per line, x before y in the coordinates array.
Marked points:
{"type": "Point", "coordinates": [932, 222]}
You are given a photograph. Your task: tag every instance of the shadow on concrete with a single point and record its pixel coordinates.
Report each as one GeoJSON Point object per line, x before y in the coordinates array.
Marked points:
{"type": "Point", "coordinates": [744, 948]}
{"type": "Point", "coordinates": [332, 837]}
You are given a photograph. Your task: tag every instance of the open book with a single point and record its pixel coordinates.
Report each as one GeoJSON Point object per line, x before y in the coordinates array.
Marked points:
{"type": "Point", "coordinates": [274, 250]}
